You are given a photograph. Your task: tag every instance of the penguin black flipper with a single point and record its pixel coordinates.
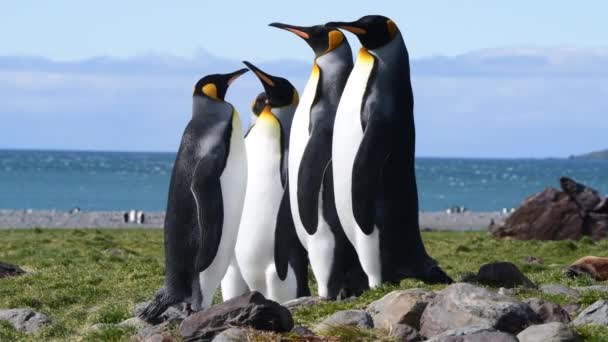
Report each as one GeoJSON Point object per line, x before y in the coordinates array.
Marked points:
{"type": "Point", "coordinates": [373, 152]}
{"type": "Point", "coordinates": [210, 213]}
{"type": "Point", "coordinates": [285, 235]}
{"type": "Point", "coordinates": [313, 166]}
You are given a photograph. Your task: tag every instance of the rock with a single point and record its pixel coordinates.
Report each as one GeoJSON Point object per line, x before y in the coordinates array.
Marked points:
{"type": "Point", "coordinates": [231, 335]}
{"type": "Point", "coordinates": [353, 318]}
{"type": "Point", "coordinates": [134, 322]}
{"type": "Point", "coordinates": [502, 274]}
{"type": "Point", "coordinates": [595, 267]}
{"type": "Point", "coordinates": [506, 292]}
{"type": "Point", "coordinates": [303, 301]}
{"type": "Point", "coordinates": [572, 308]}
{"type": "Point", "coordinates": [303, 331]}
{"type": "Point", "coordinates": [100, 326]}
{"type": "Point", "coordinates": [548, 312]}
{"type": "Point", "coordinates": [248, 310]}
{"type": "Point", "coordinates": [24, 320]}
{"type": "Point", "coordinates": [404, 333]}
{"type": "Point", "coordinates": [159, 338]}
{"type": "Point", "coordinates": [473, 333]}
{"type": "Point", "coordinates": [151, 330]}
{"type": "Point", "coordinates": [548, 332]}
{"type": "Point", "coordinates": [558, 289]}
{"type": "Point", "coordinates": [462, 304]}
{"type": "Point", "coordinates": [9, 270]}
{"type": "Point", "coordinates": [596, 313]}
{"type": "Point", "coordinates": [532, 260]}
{"type": "Point", "coordinates": [571, 213]}
{"type": "Point", "coordinates": [400, 307]}
{"type": "Point", "coordinates": [595, 288]}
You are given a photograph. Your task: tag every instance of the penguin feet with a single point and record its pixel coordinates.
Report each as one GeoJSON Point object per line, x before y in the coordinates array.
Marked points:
{"type": "Point", "coordinates": [161, 302]}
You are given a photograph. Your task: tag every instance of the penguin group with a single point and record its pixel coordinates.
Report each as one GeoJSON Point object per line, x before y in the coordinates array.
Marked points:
{"type": "Point", "coordinates": [324, 181]}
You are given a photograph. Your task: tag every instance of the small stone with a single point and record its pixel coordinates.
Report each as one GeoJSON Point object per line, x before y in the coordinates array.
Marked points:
{"type": "Point", "coordinates": [303, 331]}
{"type": "Point", "coordinates": [24, 320]}
{"type": "Point", "coordinates": [148, 331]}
{"type": "Point", "coordinates": [9, 270]}
{"type": "Point", "coordinates": [548, 332]}
{"type": "Point", "coordinates": [572, 308]}
{"type": "Point", "coordinates": [404, 333]}
{"type": "Point", "coordinates": [159, 338]}
{"type": "Point", "coordinates": [231, 335]}
{"type": "Point", "coordinates": [400, 307]}
{"type": "Point", "coordinates": [502, 274]}
{"type": "Point", "coordinates": [549, 312]}
{"type": "Point", "coordinates": [303, 302]}
{"type": "Point", "coordinates": [558, 289]}
{"type": "Point", "coordinates": [596, 313]}
{"type": "Point", "coordinates": [532, 260]}
{"type": "Point", "coordinates": [353, 318]}
{"type": "Point", "coordinates": [506, 292]}
{"type": "Point", "coordinates": [595, 288]}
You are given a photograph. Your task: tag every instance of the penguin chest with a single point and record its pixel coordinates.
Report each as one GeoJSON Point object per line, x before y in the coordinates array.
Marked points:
{"type": "Point", "coordinates": [297, 144]}
{"type": "Point", "coordinates": [263, 196]}
{"type": "Point", "coordinates": [233, 181]}
{"type": "Point", "coordinates": [347, 137]}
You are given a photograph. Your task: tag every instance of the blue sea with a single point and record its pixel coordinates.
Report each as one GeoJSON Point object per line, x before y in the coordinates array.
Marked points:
{"type": "Point", "coordinates": [63, 180]}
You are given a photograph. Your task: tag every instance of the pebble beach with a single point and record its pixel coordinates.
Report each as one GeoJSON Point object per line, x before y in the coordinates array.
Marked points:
{"type": "Point", "coordinates": [19, 219]}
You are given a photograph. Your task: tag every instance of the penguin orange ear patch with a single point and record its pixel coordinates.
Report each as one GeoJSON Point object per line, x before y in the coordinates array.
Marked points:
{"type": "Point", "coordinates": [335, 38]}
{"type": "Point", "coordinates": [392, 28]}
{"type": "Point", "coordinates": [210, 90]}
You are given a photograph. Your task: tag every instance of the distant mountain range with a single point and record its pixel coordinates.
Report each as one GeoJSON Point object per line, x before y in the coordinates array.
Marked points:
{"type": "Point", "coordinates": [598, 155]}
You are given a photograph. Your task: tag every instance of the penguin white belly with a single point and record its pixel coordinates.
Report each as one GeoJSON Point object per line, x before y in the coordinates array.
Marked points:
{"type": "Point", "coordinates": [255, 243]}
{"type": "Point", "coordinates": [233, 183]}
{"type": "Point", "coordinates": [298, 140]}
{"type": "Point", "coordinates": [347, 137]}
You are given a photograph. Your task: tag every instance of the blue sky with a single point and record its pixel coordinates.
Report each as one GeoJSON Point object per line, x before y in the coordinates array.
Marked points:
{"type": "Point", "coordinates": [508, 79]}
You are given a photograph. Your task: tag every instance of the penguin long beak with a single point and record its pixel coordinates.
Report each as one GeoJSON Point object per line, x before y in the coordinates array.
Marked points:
{"type": "Point", "coordinates": [267, 80]}
{"type": "Point", "coordinates": [300, 31]}
{"type": "Point", "coordinates": [348, 26]}
{"type": "Point", "coordinates": [231, 77]}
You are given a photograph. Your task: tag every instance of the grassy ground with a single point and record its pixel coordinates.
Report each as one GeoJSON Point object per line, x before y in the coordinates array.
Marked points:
{"type": "Point", "coordinates": [83, 277]}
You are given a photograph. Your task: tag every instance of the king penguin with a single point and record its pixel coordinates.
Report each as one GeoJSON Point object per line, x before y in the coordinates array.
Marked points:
{"type": "Point", "coordinates": [267, 151]}
{"type": "Point", "coordinates": [332, 257]}
{"type": "Point", "coordinates": [205, 200]}
{"type": "Point", "coordinates": [373, 157]}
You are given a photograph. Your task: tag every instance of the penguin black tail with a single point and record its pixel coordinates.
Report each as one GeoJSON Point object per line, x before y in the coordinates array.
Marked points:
{"type": "Point", "coordinates": [161, 302]}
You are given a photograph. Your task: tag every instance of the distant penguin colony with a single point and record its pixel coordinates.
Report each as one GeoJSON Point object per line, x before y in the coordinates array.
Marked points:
{"type": "Point", "coordinates": [327, 179]}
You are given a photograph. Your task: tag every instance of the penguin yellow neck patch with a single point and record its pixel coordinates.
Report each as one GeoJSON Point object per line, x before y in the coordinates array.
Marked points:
{"type": "Point", "coordinates": [365, 56]}
{"type": "Point", "coordinates": [210, 90]}
{"type": "Point", "coordinates": [335, 38]}
{"type": "Point", "coordinates": [267, 115]}
{"type": "Point", "coordinates": [315, 69]}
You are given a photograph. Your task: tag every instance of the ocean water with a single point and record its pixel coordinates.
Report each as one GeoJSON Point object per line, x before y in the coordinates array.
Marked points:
{"type": "Point", "coordinates": [123, 180]}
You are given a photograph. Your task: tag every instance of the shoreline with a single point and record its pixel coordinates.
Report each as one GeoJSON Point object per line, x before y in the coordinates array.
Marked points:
{"type": "Point", "coordinates": [27, 219]}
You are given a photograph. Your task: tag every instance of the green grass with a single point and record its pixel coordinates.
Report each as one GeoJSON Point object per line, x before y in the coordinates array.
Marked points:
{"type": "Point", "coordinates": [85, 277]}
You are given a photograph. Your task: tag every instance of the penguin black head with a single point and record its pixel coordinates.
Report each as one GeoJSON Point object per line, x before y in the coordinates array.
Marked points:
{"type": "Point", "coordinates": [215, 86]}
{"type": "Point", "coordinates": [259, 103]}
{"type": "Point", "coordinates": [279, 91]}
{"type": "Point", "coordinates": [320, 38]}
{"type": "Point", "coordinates": [373, 31]}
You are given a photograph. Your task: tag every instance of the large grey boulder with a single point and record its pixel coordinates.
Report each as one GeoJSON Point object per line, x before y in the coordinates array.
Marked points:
{"type": "Point", "coordinates": [353, 318]}
{"type": "Point", "coordinates": [24, 320]}
{"type": "Point", "coordinates": [400, 307]}
{"type": "Point", "coordinates": [473, 333]}
{"type": "Point", "coordinates": [548, 311]}
{"type": "Point", "coordinates": [404, 333]}
{"type": "Point", "coordinates": [548, 332]}
{"type": "Point", "coordinates": [248, 310]}
{"type": "Point", "coordinates": [596, 313]}
{"type": "Point", "coordinates": [461, 304]}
